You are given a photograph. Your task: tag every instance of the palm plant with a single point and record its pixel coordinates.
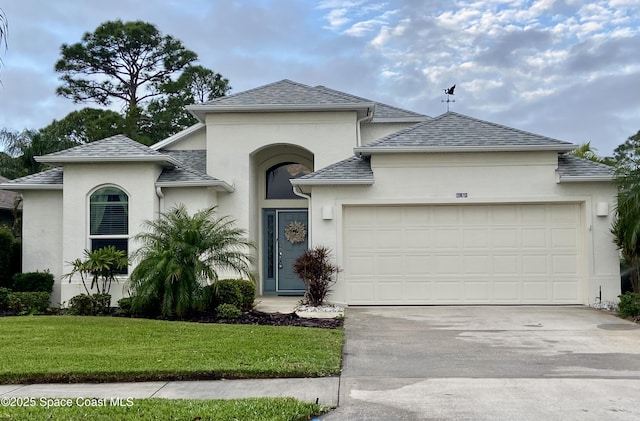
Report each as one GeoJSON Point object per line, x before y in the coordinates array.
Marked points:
{"type": "Point", "coordinates": [179, 255]}
{"type": "Point", "coordinates": [626, 225]}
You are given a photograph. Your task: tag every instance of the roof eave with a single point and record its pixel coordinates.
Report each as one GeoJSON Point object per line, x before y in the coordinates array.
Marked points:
{"type": "Point", "coordinates": [20, 187]}
{"type": "Point", "coordinates": [368, 151]}
{"type": "Point", "coordinates": [200, 110]}
{"type": "Point", "coordinates": [332, 181]}
{"type": "Point", "coordinates": [416, 119]}
{"type": "Point", "coordinates": [218, 185]}
{"type": "Point", "coordinates": [584, 179]}
{"type": "Point", "coordinates": [163, 159]}
{"type": "Point", "coordinates": [178, 136]}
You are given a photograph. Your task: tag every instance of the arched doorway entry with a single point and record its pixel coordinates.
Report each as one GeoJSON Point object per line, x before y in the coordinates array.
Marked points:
{"type": "Point", "coordinates": [284, 222]}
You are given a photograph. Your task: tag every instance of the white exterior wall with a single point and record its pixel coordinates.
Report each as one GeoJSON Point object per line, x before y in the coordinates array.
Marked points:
{"type": "Point", "coordinates": [232, 140]}
{"type": "Point", "coordinates": [42, 235]}
{"type": "Point", "coordinates": [194, 198]}
{"type": "Point", "coordinates": [80, 180]}
{"type": "Point", "coordinates": [486, 178]}
{"type": "Point", "coordinates": [194, 141]}
{"type": "Point", "coordinates": [370, 132]}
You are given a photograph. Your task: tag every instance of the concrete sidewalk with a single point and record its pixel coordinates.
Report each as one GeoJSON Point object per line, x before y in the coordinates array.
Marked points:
{"type": "Point", "coordinates": [324, 389]}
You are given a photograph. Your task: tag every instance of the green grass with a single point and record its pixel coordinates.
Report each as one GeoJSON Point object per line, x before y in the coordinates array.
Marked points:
{"type": "Point", "coordinates": [252, 409]}
{"type": "Point", "coordinates": [44, 349]}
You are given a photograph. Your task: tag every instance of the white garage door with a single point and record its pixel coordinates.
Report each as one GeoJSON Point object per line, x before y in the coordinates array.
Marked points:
{"type": "Point", "coordinates": [477, 254]}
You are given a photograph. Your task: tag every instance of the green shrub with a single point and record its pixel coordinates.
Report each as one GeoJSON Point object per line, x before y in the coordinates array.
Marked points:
{"type": "Point", "coordinates": [228, 292]}
{"type": "Point", "coordinates": [629, 305]}
{"type": "Point", "coordinates": [28, 302]}
{"type": "Point", "coordinates": [248, 294]}
{"type": "Point", "coordinates": [4, 298]}
{"type": "Point", "coordinates": [125, 304]}
{"type": "Point", "coordinates": [89, 305]}
{"type": "Point", "coordinates": [7, 244]}
{"type": "Point", "coordinates": [228, 311]}
{"type": "Point", "coordinates": [33, 282]}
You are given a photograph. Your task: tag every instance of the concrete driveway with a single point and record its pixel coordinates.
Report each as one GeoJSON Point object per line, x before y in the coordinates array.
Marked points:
{"type": "Point", "coordinates": [489, 363]}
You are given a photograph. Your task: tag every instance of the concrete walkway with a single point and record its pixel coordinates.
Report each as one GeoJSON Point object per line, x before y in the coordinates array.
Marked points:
{"type": "Point", "coordinates": [324, 390]}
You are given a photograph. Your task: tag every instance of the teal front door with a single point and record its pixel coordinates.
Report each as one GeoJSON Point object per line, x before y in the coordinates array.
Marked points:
{"type": "Point", "coordinates": [286, 235]}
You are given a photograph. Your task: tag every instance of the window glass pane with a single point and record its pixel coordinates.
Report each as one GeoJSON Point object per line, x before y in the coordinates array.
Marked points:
{"type": "Point", "coordinates": [109, 212]}
{"type": "Point", "coordinates": [118, 243]}
{"type": "Point", "coordinates": [278, 176]}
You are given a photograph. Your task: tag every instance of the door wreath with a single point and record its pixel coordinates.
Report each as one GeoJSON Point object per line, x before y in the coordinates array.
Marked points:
{"type": "Point", "coordinates": [295, 232]}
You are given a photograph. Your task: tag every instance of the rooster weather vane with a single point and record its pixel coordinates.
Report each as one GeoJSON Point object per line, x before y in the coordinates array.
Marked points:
{"type": "Point", "coordinates": [448, 93]}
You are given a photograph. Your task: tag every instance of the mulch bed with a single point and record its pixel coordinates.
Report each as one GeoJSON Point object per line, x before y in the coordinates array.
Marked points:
{"type": "Point", "coordinates": [252, 317]}
{"type": "Point", "coordinates": [255, 317]}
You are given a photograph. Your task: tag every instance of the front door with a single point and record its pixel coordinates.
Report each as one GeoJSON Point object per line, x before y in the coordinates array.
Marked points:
{"type": "Point", "coordinates": [286, 235]}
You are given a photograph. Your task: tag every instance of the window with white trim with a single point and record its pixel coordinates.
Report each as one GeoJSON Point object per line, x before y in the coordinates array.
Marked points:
{"type": "Point", "coordinates": [109, 219]}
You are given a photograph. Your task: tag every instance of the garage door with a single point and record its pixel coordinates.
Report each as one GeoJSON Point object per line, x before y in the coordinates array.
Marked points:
{"type": "Point", "coordinates": [479, 254]}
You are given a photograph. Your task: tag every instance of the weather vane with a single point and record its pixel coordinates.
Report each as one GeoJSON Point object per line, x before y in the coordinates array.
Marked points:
{"type": "Point", "coordinates": [448, 93]}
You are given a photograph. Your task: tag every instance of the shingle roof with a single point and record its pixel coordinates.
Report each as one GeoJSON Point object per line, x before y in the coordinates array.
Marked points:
{"type": "Point", "coordinates": [381, 110]}
{"type": "Point", "coordinates": [118, 147]}
{"type": "Point", "coordinates": [191, 170]}
{"type": "Point", "coordinates": [289, 93]}
{"type": "Point", "coordinates": [7, 198]}
{"type": "Point", "coordinates": [284, 92]}
{"type": "Point", "coordinates": [52, 178]}
{"type": "Point", "coordinates": [579, 169]}
{"type": "Point", "coordinates": [353, 170]}
{"type": "Point", "coordinates": [451, 132]}
{"type": "Point", "coordinates": [195, 159]}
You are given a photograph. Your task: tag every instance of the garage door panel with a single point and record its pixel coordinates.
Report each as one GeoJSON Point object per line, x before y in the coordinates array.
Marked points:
{"type": "Point", "coordinates": [505, 264]}
{"type": "Point", "coordinates": [419, 238]}
{"type": "Point", "coordinates": [564, 264]}
{"type": "Point", "coordinates": [506, 291]}
{"type": "Point", "coordinates": [475, 254]}
{"type": "Point", "coordinates": [446, 238]}
{"type": "Point", "coordinates": [535, 238]}
{"type": "Point", "coordinates": [564, 237]}
{"type": "Point", "coordinates": [535, 264]}
{"type": "Point", "coordinates": [478, 265]}
{"type": "Point", "coordinates": [506, 238]}
{"type": "Point", "coordinates": [476, 238]}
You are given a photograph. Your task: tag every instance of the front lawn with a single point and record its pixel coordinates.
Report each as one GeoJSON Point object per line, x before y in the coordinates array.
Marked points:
{"type": "Point", "coordinates": [43, 349]}
{"type": "Point", "coordinates": [255, 409]}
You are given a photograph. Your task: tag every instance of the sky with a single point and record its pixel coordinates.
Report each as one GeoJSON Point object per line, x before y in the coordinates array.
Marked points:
{"type": "Point", "coordinates": [568, 69]}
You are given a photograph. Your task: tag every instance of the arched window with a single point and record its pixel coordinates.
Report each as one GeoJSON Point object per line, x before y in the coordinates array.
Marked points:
{"type": "Point", "coordinates": [109, 219]}
{"type": "Point", "coordinates": [278, 176]}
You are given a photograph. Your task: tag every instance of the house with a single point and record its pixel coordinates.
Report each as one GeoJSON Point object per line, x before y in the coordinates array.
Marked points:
{"type": "Point", "coordinates": [417, 210]}
{"type": "Point", "coordinates": [7, 203]}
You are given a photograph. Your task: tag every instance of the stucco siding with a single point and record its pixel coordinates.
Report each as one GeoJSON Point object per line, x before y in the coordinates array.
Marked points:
{"type": "Point", "coordinates": [193, 141]}
{"type": "Point", "coordinates": [80, 180]}
{"type": "Point", "coordinates": [42, 235]}
{"type": "Point", "coordinates": [370, 132]}
{"type": "Point", "coordinates": [232, 139]}
{"type": "Point", "coordinates": [194, 198]}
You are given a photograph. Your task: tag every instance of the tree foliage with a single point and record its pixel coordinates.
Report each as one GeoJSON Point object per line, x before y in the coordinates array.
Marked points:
{"type": "Point", "coordinates": [4, 30]}
{"type": "Point", "coordinates": [628, 153]}
{"type": "Point", "coordinates": [167, 115]}
{"type": "Point", "coordinates": [23, 146]}
{"type": "Point", "coordinates": [151, 75]}
{"type": "Point", "coordinates": [182, 253]}
{"type": "Point", "coordinates": [586, 151]}
{"type": "Point", "coordinates": [86, 125]}
{"type": "Point", "coordinates": [626, 225]}
{"type": "Point", "coordinates": [125, 61]}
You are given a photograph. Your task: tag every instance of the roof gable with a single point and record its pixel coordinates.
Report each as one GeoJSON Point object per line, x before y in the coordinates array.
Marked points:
{"type": "Point", "coordinates": [118, 148]}
{"type": "Point", "coordinates": [453, 132]}
{"type": "Point", "coordinates": [287, 95]}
